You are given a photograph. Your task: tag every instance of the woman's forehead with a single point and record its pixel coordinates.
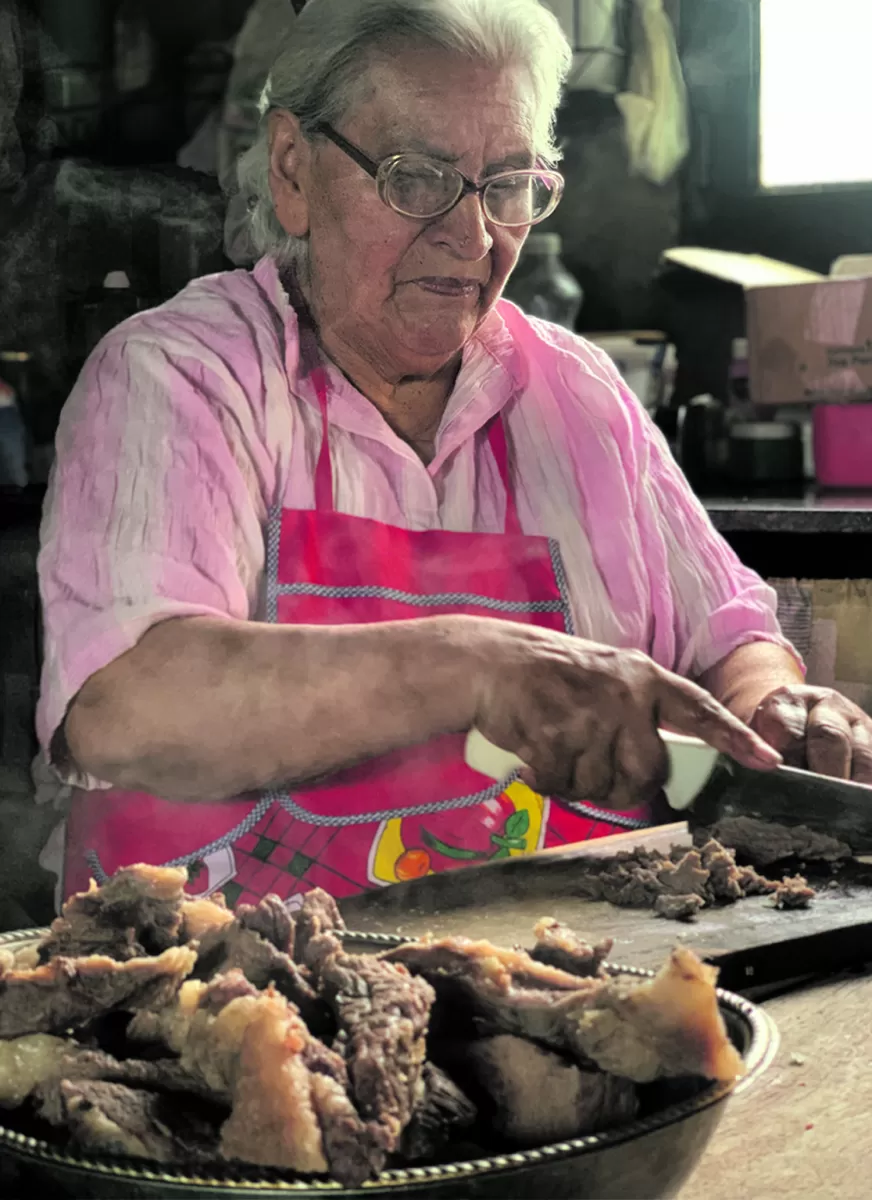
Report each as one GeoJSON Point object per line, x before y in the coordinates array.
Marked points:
{"type": "Point", "coordinates": [446, 105]}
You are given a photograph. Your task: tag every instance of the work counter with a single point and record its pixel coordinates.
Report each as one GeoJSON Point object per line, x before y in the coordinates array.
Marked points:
{"type": "Point", "coordinates": [807, 512]}
{"type": "Point", "coordinates": [803, 1129]}
{"type": "Point", "coordinates": [805, 534]}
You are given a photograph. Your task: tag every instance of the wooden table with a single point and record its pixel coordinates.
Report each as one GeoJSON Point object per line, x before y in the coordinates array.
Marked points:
{"type": "Point", "coordinates": [805, 1128]}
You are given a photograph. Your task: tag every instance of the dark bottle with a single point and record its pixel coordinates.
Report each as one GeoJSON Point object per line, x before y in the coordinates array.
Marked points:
{"type": "Point", "coordinates": [541, 285]}
{"type": "Point", "coordinates": [702, 442]}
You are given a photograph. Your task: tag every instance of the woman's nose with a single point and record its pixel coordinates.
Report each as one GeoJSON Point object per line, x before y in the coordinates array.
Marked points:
{"type": "Point", "coordinates": [465, 229]}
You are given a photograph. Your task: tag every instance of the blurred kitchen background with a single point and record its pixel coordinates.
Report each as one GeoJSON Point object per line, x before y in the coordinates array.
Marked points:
{"type": "Point", "coordinates": [717, 212]}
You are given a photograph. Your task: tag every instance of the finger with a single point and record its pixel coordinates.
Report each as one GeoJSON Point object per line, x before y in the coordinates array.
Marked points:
{"type": "Point", "coordinates": [781, 720]}
{"type": "Point", "coordinates": [829, 740]}
{"type": "Point", "coordinates": [691, 709]}
{"type": "Point", "coordinates": [861, 751]}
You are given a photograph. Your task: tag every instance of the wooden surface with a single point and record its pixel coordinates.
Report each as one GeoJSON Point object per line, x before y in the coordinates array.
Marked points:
{"type": "Point", "coordinates": [804, 1129]}
{"type": "Point", "coordinates": [753, 943]}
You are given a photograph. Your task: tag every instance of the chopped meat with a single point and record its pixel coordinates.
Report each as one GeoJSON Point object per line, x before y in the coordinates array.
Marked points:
{"type": "Point", "coordinates": [319, 949]}
{"type": "Point", "coordinates": [288, 1111]}
{"type": "Point", "coordinates": [630, 886]}
{"type": "Point", "coordinates": [687, 876]}
{"type": "Point", "coordinates": [383, 1015]}
{"type": "Point", "coordinates": [679, 908]}
{"type": "Point", "coordinates": [136, 912]}
{"type": "Point", "coordinates": [319, 913]}
{"type": "Point", "coordinates": [557, 946]}
{"type": "Point", "coordinates": [203, 914]}
{"type": "Point", "coordinates": [754, 884]}
{"type": "Point", "coordinates": [483, 961]}
{"type": "Point", "coordinates": [725, 879]}
{"type": "Point", "coordinates": [794, 892]}
{"type": "Point", "coordinates": [442, 1112]}
{"type": "Point", "coordinates": [78, 1063]}
{"type": "Point", "coordinates": [765, 842]}
{"type": "Point", "coordinates": [271, 920]}
{"type": "Point", "coordinates": [26, 1062]}
{"type": "Point", "coordinates": [115, 1119]}
{"type": "Point", "coordinates": [531, 1096]}
{"type": "Point", "coordinates": [239, 947]}
{"type": "Point", "coordinates": [214, 1041]}
{"type": "Point", "coordinates": [166, 1028]}
{"type": "Point", "coordinates": [643, 878]}
{"type": "Point", "coordinates": [66, 992]}
{"type": "Point", "coordinates": [666, 1026]}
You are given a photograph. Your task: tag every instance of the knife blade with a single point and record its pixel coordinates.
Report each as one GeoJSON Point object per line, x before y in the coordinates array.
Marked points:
{"type": "Point", "coordinates": [707, 786]}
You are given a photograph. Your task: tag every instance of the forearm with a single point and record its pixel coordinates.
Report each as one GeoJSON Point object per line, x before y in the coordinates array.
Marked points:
{"type": "Point", "coordinates": [749, 674]}
{"type": "Point", "coordinates": [204, 708]}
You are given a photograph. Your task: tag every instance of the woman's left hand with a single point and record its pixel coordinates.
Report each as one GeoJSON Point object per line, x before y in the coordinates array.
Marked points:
{"type": "Point", "coordinates": [819, 729]}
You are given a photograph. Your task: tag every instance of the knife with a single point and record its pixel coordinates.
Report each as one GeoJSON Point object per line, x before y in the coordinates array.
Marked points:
{"type": "Point", "coordinates": [708, 787]}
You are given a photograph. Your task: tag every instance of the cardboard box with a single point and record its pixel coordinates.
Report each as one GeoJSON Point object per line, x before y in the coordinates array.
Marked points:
{"type": "Point", "coordinates": [809, 335]}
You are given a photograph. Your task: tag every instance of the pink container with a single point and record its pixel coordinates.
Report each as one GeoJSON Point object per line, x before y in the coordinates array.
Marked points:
{"type": "Point", "coordinates": [843, 445]}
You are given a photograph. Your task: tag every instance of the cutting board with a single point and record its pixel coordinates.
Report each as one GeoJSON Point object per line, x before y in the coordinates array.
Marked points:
{"type": "Point", "coordinates": [753, 944]}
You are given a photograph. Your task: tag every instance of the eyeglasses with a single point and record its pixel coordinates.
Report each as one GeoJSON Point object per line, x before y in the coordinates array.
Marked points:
{"type": "Point", "coordinates": [415, 185]}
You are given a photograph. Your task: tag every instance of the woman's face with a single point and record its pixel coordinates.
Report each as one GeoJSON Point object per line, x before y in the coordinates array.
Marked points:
{"type": "Point", "coordinates": [407, 294]}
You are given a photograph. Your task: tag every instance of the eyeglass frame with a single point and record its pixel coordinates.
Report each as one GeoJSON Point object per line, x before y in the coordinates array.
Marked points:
{"type": "Point", "coordinates": [379, 170]}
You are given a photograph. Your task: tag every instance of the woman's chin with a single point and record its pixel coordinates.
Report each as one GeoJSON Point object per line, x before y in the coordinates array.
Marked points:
{"type": "Point", "coordinates": [437, 340]}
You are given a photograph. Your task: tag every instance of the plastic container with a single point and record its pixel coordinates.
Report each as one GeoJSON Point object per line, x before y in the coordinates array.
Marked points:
{"type": "Point", "coordinates": [541, 285]}
{"type": "Point", "coordinates": [842, 438]}
{"type": "Point", "coordinates": [765, 452]}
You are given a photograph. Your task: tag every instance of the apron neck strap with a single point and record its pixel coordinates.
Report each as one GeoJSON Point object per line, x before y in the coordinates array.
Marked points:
{"type": "Point", "coordinates": [496, 436]}
{"type": "Point", "coordinates": [323, 469]}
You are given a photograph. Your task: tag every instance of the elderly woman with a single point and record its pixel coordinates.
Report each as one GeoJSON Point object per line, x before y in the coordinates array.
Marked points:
{"type": "Point", "coordinates": [311, 524]}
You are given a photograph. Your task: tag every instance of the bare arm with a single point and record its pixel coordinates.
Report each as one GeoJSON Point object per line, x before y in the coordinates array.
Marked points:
{"type": "Point", "coordinates": [750, 673]}
{"type": "Point", "coordinates": [206, 708]}
{"type": "Point", "coordinates": [202, 708]}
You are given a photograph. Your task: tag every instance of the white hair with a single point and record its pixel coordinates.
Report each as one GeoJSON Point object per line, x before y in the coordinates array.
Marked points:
{"type": "Point", "coordinates": [322, 72]}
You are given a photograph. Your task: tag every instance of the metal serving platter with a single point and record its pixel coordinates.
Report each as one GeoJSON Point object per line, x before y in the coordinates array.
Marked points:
{"type": "Point", "coordinates": [649, 1157]}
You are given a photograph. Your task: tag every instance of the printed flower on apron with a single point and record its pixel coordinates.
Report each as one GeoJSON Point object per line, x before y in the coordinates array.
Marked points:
{"type": "Point", "coordinates": [410, 847]}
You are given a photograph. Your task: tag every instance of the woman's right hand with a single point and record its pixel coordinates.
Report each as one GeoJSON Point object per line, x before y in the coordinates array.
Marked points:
{"type": "Point", "coordinates": [584, 717]}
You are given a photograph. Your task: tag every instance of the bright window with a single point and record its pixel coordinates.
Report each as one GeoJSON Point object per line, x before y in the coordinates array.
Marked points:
{"type": "Point", "coordinates": [815, 92]}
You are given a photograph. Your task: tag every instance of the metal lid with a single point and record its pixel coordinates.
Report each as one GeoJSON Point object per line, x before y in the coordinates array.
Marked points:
{"type": "Point", "coordinates": [764, 431]}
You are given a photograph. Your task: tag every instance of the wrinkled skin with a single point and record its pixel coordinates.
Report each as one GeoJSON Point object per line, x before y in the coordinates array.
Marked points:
{"type": "Point", "coordinates": [584, 717]}
{"type": "Point", "coordinates": [819, 729]}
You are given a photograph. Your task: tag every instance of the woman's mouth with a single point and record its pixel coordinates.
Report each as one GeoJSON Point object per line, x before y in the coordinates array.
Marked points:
{"type": "Point", "coordinates": [448, 285]}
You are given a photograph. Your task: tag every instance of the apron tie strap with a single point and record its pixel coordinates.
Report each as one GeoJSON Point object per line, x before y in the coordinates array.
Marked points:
{"type": "Point", "coordinates": [496, 436]}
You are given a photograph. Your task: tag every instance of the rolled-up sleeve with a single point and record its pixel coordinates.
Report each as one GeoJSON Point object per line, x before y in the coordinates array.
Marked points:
{"type": "Point", "coordinates": [716, 603]}
{"type": "Point", "coordinates": [153, 511]}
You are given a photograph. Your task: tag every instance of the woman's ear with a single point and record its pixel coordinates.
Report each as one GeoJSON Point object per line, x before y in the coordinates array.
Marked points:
{"type": "Point", "coordinates": [288, 171]}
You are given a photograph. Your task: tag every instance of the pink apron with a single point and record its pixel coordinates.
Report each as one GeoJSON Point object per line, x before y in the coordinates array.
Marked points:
{"type": "Point", "coordinates": [396, 817]}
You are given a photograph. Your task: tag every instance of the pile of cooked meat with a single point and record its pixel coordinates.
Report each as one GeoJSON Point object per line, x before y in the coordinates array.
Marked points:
{"type": "Point", "coordinates": [152, 1025]}
{"type": "Point", "coordinates": [679, 884]}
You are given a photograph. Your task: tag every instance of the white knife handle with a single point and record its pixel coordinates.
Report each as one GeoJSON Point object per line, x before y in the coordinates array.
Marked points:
{"type": "Point", "coordinates": [691, 762]}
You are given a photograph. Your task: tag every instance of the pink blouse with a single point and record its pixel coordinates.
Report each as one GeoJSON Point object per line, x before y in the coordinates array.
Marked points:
{"type": "Point", "coordinates": [189, 423]}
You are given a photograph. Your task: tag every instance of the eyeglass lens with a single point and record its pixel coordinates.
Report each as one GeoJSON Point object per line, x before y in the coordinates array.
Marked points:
{"type": "Point", "coordinates": [419, 187]}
